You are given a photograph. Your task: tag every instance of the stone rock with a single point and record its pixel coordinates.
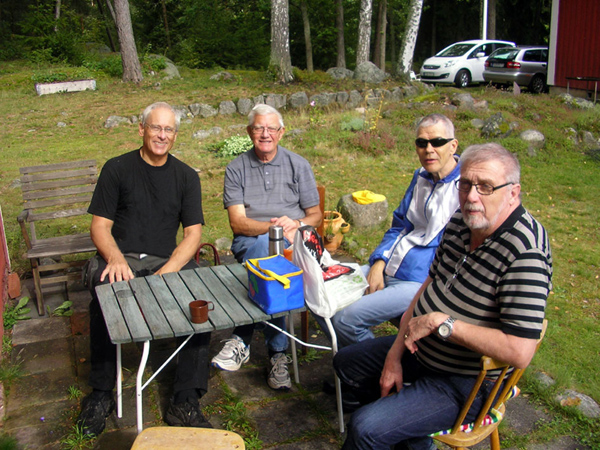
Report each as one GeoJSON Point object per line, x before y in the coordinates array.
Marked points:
{"type": "Point", "coordinates": [183, 112]}
{"type": "Point", "coordinates": [61, 124]}
{"type": "Point", "coordinates": [340, 73]}
{"type": "Point", "coordinates": [227, 108]}
{"type": "Point", "coordinates": [589, 140]}
{"type": "Point", "coordinates": [576, 101]}
{"type": "Point", "coordinates": [534, 139]}
{"type": "Point", "coordinates": [201, 134]}
{"type": "Point", "coordinates": [545, 379]}
{"type": "Point", "coordinates": [170, 71]}
{"type": "Point", "coordinates": [397, 94]}
{"type": "Point", "coordinates": [134, 119]}
{"type": "Point", "coordinates": [496, 127]}
{"type": "Point", "coordinates": [115, 121]}
{"type": "Point", "coordinates": [342, 97]}
{"type": "Point", "coordinates": [216, 131]}
{"type": "Point", "coordinates": [298, 100]}
{"type": "Point", "coordinates": [463, 101]}
{"type": "Point", "coordinates": [320, 100]}
{"type": "Point", "coordinates": [222, 76]}
{"type": "Point", "coordinates": [244, 106]}
{"type": "Point", "coordinates": [362, 216]}
{"type": "Point", "coordinates": [370, 73]}
{"type": "Point", "coordinates": [411, 91]}
{"type": "Point", "coordinates": [477, 123]}
{"type": "Point", "coordinates": [295, 132]}
{"type": "Point", "coordinates": [239, 126]}
{"type": "Point", "coordinates": [223, 244]}
{"type": "Point", "coordinates": [481, 105]}
{"type": "Point", "coordinates": [373, 97]}
{"type": "Point", "coordinates": [205, 110]}
{"type": "Point", "coordinates": [277, 101]}
{"type": "Point", "coordinates": [259, 99]}
{"type": "Point", "coordinates": [585, 404]}
{"type": "Point", "coordinates": [194, 109]}
{"type": "Point", "coordinates": [572, 135]}
{"type": "Point", "coordinates": [354, 99]}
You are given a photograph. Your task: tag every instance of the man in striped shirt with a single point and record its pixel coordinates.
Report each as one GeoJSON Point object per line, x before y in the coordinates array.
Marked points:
{"type": "Point", "coordinates": [485, 295]}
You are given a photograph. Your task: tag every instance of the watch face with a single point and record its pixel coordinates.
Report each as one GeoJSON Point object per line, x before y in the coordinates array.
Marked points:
{"type": "Point", "coordinates": [444, 330]}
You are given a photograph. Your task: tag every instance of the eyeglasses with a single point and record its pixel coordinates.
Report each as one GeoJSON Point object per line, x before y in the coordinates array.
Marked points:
{"type": "Point", "coordinates": [261, 130]}
{"type": "Point", "coordinates": [450, 281]}
{"type": "Point", "coordinates": [156, 129]}
{"type": "Point", "coordinates": [483, 188]}
{"type": "Point", "coordinates": [435, 142]}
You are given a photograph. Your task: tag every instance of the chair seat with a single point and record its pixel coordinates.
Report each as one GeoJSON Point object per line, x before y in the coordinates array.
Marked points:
{"type": "Point", "coordinates": [180, 438]}
{"type": "Point", "coordinates": [466, 437]}
{"type": "Point", "coordinates": [62, 245]}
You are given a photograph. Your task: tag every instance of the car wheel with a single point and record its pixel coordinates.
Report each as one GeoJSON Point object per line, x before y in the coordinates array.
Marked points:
{"type": "Point", "coordinates": [537, 85]}
{"type": "Point", "coordinates": [463, 79]}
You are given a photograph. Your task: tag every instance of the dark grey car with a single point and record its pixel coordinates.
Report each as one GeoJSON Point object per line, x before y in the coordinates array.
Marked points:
{"type": "Point", "coordinates": [526, 66]}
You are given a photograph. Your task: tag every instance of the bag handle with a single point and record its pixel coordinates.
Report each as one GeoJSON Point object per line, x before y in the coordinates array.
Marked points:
{"type": "Point", "coordinates": [261, 272]}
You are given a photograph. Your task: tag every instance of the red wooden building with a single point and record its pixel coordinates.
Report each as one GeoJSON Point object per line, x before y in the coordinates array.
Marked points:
{"type": "Point", "coordinates": [575, 47]}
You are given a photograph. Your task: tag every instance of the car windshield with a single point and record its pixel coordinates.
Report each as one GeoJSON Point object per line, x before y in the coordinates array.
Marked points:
{"type": "Point", "coordinates": [456, 50]}
{"type": "Point", "coordinates": [505, 54]}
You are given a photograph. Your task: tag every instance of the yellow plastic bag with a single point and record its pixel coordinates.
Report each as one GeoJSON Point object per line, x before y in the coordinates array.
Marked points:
{"type": "Point", "coordinates": [367, 197]}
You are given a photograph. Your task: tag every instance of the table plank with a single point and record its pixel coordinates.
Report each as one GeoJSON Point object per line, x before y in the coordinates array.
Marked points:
{"type": "Point", "coordinates": [193, 280]}
{"type": "Point", "coordinates": [131, 312]}
{"type": "Point", "coordinates": [183, 297]}
{"type": "Point", "coordinates": [118, 331]}
{"type": "Point", "coordinates": [175, 317]}
{"type": "Point", "coordinates": [153, 314]}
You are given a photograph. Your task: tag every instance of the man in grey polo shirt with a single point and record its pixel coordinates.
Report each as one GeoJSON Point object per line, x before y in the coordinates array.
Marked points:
{"type": "Point", "coordinates": [267, 185]}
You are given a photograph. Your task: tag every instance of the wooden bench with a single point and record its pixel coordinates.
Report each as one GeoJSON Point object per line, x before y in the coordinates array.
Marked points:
{"type": "Point", "coordinates": [53, 194]}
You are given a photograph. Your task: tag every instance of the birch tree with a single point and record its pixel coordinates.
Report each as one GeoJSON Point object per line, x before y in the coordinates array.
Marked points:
{"type": "Point", "coordinates": [132, 70]}
{"type": "Point", "coordinates": [339, 23]}
{"type": "Point", "coordinates": [364, 31]}
{"type": "Point", "coordinates": [407, 49]}
{"type": "Point", "coordinates": [281, 61]}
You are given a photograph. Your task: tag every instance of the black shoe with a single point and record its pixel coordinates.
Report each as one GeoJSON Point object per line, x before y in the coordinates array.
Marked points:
{"type": "Point", "coordinates": [95, 408]}
{"type": "Point", "coordinates": [186, 414]}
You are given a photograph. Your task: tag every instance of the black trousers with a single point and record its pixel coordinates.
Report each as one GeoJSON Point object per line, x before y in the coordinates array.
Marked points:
{"type": "Point", "coordinates": [192, 361]}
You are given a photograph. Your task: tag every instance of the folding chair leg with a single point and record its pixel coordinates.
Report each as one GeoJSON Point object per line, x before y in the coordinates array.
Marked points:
{"type": "Point", "coordinates": [38, 286]}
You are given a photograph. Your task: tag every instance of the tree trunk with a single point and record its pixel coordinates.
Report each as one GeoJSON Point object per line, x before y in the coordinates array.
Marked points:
{"type": "Point", "coordinates": [281, 61]}
{"type": "Point", "coordinates": [132, 70]}
{"type": "Point", "coordinates": [307, 40]}
{"type": "Point", "coordinates": [164, 10]}
{"type": "Point", "coordinates": [341, 46]}
{"type": "Point", "coordinates": [110, 39]}
{"type": "Point", "coordinates": [407, 49]}
{"type": "Point", "coordinates": [491, 18]}
{"type": "Point", "coordinates": [364, 31]}
{"type": "Point", "coordinates": [56, 15]}
{"type": "Point", "coordinates": [112, 11]}
{"type": "Point", "coordinates": [393, 43]}
{"type": "Point", "coordinates": [380, 40]}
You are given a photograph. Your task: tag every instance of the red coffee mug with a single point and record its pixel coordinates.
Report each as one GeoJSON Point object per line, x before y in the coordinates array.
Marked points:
{"type": "Point", "coordinates": [199, 310]}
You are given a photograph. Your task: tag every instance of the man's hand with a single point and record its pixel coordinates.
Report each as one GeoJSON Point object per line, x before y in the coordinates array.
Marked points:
{"type": "Point", "coordinates": [421, 326]}
{"type": "Point", "coordinates": [391, 375]}
{"type": "Point", "coordinates": [117, 270]}
{"type": "Point", "coordinates": [289, 226]}
{"type": "Point", "coordinates": [376, 278]}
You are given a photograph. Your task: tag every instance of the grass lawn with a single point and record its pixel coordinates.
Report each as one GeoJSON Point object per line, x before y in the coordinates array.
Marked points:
{"type": "Point", "coordinates": [559, 186]}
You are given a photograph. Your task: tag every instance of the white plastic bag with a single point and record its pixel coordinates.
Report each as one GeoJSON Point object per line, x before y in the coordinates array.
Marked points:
{"type": "Point", "coordinates": [325, 298]}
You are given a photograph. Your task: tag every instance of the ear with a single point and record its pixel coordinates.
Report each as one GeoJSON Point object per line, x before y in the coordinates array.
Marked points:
{"type": "Point", "coordinates": [249, 131]}
{"type": "Point", "coordinates": [454, 146]}
{"type": "Point", "coordinates": [141, 129]}
{"type": "Point", "coordinates": [515, 193]}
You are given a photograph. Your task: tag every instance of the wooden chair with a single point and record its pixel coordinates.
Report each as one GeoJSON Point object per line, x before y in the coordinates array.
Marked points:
{"type": "Point", "coordinates": [180, 438]}
{"type": "Point", "coordinates": [462, 436]}
{"type": "Point", "coordinates": [50, 193]}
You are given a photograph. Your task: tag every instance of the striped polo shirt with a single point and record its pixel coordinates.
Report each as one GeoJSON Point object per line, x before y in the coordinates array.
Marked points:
{"type": "Point", "coordinates": [503, 284]}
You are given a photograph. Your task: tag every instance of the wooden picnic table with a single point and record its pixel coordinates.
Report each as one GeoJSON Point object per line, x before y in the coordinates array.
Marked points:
{"type": "Point", "coordinates": [154, 307]}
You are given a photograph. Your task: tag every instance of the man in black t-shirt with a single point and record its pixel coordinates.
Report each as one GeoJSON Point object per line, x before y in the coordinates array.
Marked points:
{"type": "Point", "coordinates": [139, 202]}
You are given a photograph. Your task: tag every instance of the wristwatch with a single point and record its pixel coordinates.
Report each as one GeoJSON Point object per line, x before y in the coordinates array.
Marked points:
{"type": "Point", "coordinates": [446, 328]}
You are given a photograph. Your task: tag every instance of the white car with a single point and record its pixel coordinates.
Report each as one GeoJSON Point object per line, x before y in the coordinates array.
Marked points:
{"type": "Point", "coordinates": [461, 63]}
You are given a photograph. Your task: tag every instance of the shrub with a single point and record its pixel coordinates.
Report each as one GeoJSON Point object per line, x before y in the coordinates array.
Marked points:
{"type": "Point", "coordinates": [233, 146]}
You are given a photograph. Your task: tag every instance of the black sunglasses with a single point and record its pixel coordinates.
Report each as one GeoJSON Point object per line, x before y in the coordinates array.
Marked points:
{"type": "Point", "coordinates": [435, 142]}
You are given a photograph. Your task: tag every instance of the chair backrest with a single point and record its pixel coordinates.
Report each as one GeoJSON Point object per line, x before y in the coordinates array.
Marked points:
{"type": "Point", "coordinates": [55, 191]}
{"type": "Point", "coordinates": [488, 364]}
{"type": "Point", "coordinates": [321, 189]}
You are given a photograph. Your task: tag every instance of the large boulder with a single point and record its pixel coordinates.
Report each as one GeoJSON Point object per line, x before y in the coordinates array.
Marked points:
{"type": "Point", "coordinates": [362, 216]}
{"type": "Point", "coordinates": [244, 106]}
{"type": "Point", "coordinates": [535, 141]}
{"type": "Point", "coordinates": [369, 73]}
{"type": "Point", "coordinates": [340, 73]}
{"type": "Point", "coordinates": [227, 108]}
{"type": "Point", "coordinates": [298, 100]}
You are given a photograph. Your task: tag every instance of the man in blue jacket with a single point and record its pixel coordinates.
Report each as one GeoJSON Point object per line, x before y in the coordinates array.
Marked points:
{"type": "Point", "coordinates": [399, 265]}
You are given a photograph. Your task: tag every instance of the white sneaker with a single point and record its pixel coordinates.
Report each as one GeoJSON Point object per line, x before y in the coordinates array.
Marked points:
{"type": "Point", "coordinates": [279, 377]}
{"type": "Point", "coordinates": [233, 355]}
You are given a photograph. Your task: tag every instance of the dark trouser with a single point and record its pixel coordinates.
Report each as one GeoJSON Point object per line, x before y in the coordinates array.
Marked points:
{"type": "Point", "coordinates": [192, 367]}
{"type": "Point", "coordinates": [431, 403]}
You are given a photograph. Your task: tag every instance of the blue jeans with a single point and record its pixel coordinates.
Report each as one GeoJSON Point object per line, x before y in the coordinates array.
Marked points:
{"type": "Point", "coordinates": [353, 323]}
{"type": "Point", "coordinates": [429, 404]}
{"type": "Point", "coordinates": [250, 247]}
